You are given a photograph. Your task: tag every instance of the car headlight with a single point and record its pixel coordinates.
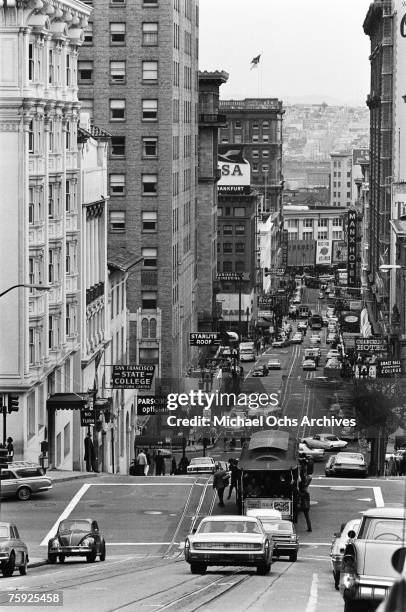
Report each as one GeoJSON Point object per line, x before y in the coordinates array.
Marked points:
{"type": "Point", "coordinates": [5, 547]}
{"type": "Point", "coordinates": [87, 542]}
{"type": "Point", "coordinates": [293, 538]}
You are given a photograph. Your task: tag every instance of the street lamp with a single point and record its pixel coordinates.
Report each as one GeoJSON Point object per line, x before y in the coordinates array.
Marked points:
{"type": "Point", "coordinates": [28, 286]}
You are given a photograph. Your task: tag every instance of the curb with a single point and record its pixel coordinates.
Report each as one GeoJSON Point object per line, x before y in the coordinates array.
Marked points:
{"type": "Point", "coordinates": [37, 563]}
{"type": "Point", "coordinates": [68, 478]}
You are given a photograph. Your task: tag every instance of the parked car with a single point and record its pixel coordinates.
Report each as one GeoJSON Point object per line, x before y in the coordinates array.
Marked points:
{"type": "Point", "coordinates": [367, 573]}
{"type": "Point", "coordinates": [285, 540]}
{"type": "Point", "coordinates": [317, 454]}
{"type": "Point", "coordinates": [326, 441]}
{"type": "Point", "coordinates": [297, 338]}
{"type": "Point", "coordinates": [201, 465]}
{"type": "Point", "coordinates": [22, 479]}
{"type": "Point", "coordinates": [260, 370]}
{"type": "Point", "coordinates": [333, 354]}
{"type": "Point", "coordinates": [338, 544]}
{"type": "Point", "coordinates": [274, 364]}
{"type": "Point", "coordinates": [309, 364]}
{"type": "Point", "coordinates": [229, 540]}
{"type": "Point", "coordinates": [13, 551]}
{"type": "Point", "coordinates": [278, 343]}
{"type": "Point", "coordinates": [77, 538]}
{"type": "Point", "coordinates": [346, 464]}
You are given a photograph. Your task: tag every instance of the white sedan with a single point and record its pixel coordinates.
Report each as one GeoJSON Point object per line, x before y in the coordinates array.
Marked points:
{"type": "Point", "coordinates": [309, 364]}
{"type": "Point", "coordinates": [315, 339]}
{"type": "Point", "coordinates": [332, 354]}
{"type": "Point", "coordinates": [326, 441]}
{"type": "Point", "coordinates": [317, 454]}
{"type": "Point", "coordinates": [274, 364]}
{"type": "Point", "coordinates": [201, 465]}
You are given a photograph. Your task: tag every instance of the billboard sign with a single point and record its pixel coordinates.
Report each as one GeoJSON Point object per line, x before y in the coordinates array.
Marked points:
{"type": "Point", "coordinates": [340, 252]}
{"type": "Point", "coordinates": [352, 248]}
{"type": "Point", "coordinates": [301, 252]}
{"type": "Point", "coordinates": [389, 368]}
{"type": "Point", "coordinates": [371, 345]}
{"type": "Point", "coordinates": [235, 171]}
{"type": "Point", "coordinates": [151, 404]}
{"type": "Point", "coordinates": [133, 376]}
{"type": "Point", "coordinates": [323, 252]}
{"type": "Point", "coordinates": [204, 338]}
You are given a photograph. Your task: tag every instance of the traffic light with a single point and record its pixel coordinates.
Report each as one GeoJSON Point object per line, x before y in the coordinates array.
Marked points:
{"type": "Point", "coordinates": [12, 403]}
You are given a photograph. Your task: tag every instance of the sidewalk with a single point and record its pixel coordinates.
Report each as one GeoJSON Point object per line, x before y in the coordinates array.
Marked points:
{"type": "Point", "coordinates": [66, 475]}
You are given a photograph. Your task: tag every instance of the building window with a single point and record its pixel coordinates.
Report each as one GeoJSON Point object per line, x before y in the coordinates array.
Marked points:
{"type": "Point", "coordinates": [307, 222]}
{"type": "Point", "coordinates": [240, 230]}
{"type": "Point", "coordinates": [238, 124]}
{"type": "Point", "coordinates": [323, 222]}
{"type": "Point", "coordinates": [117, 184]}
{"type": "Point", "coordinates": [70, 258]}
{"type": "Point", "coordinates": [348, 194]}
{"type": "Point", "coordinates": [118, 2]}
{"type": "Point", "coordinates": [239, 211]}
{"type": "Point", "coordinates": [265, 153]}
{"type": "Point", "coordinates": [53, 332]}
{"type": "Point", "coordinates": [31, 137]}
{"type": "Point", "coordinates": [255, 167]}
{"type": "Point", "coordinates": [149, 71]}
{"type": "Point", "coordinates": [117, 34]}
{"type": "Point", "coordinates": [51, 201]}
{"type": "Point", "coordinates": [88, 34]}
{"type": "Point", "coordinates": [149, 355]}
{"type": "Point", "coordinates": [67, 136]}
{"type": "Point", "coordinates": [117, 72]}
{"type": "Point", "coordinates": [255, 154]}
{"type": "Point", "coordinates": [31, 205]}
{"type": "Point", "coordinates": [265, 125]}
{"type": "Point", "coordinates": [336, 222]}
{"type": "Point", "coordinates": [240, 247]}
{"type": "Point", "coordinates": [149, 221]}
{"type": "Point", "coordinates": [118, 146]}
{"type": "Point", "coordinates": [31, 345]}
{"type": "Point", "coordinates": [149, 184]}
{"type": "Point", "coordinates": [265, 138]}
{"type": "Point", "coordinates": [337, 235]}
{"type": "Point", "coordinates": [227, 230]}
{"type": "Point", "coordinates": [150, 34]}
{"type": "Point", "coordinates": [265, 168]}
{"type": "Point", "coordinates": [66, 440]}
{"type": "Point", "coordinates": [227, 247]}
{"type": "Point", "coordinates": [117, 110]}
{"type": "Point", "coordinates": [227, 266]}
{"type": "Point", "coordinates": [30, 62]}
{"type": "Point", "coordinates": [149, 110]}
{"type": "Point", "coordinates": [150, 3]}
{"type": "Point", "coordinates": [150, 147]}
{"type": "Point", "coordinates": [148, 300]}
{"type": "Point", "coordinates": [85, 71]}
{"type": "Point", "coordinates": [255, 138]}
{"type": "Point", "coordinates": [68, 202]}
{"type": "Point", "coordinates": [51, 67]}
{"type": "Point", "coordinates": [240, 266]}
{"type": "Point", "coordinates": [70, 321]}
{"type": "Point", "coordinates": [117, 221]}
{"type": "Point", "coordinates": [323, 235]}
{"type": "Point", "coordinates": [150, 258]}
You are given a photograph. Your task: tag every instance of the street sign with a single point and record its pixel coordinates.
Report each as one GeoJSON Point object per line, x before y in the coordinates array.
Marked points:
{"type": "Point", "coordinates": [151, 404]}
{"type": "Point", "coordinates": [204, 338]}
{"type": "Point", "coordinates": [266, 300]}
{"type": "Point", "coordinates": [133, 376]}
{"type": "Point", "coordinates": [371, 345]}
{"type": "Point", "coordinates": [88, 416]}
{"type": "Point", "coordinates": [389, 368]}
{"type": "Point", "coordinates": [233, 276]}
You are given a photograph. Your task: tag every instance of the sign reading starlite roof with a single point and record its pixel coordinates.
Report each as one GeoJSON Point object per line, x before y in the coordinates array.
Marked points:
{"type": "Point", "coordinates": [133, 376]}
{"type": "Point", "coordinates": [204, 338]}
{"type": "Point", "coordinates": [352, 248]}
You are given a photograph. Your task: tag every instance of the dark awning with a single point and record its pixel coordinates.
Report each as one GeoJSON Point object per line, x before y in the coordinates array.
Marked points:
{"type": "Point", "coordinates": [67, 401]}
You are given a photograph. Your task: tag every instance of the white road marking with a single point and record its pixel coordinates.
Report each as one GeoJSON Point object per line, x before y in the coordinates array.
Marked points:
{"type": "Point", "coordinates": [73, 502]}
{"type": "Point", "coordinates": [378, 497]}
{"type": "Point", "coordinates": [140, 543]}
{"type": "Point", "coordinates": [313, 598]}
{"type": "Point", "coordinates": [315, 544]}
{"type": "Point", "coordinates": [141, 484]}
{"type": "Point", "coordinates": [368, 499]}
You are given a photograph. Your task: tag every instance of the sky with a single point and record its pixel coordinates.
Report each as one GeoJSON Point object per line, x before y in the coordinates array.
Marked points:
{"type": "Point", "coordinates": [311, 50]}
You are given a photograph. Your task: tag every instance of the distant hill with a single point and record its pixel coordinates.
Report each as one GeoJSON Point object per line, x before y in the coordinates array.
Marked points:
{"type": "Point", "coordinates": [319, 99]}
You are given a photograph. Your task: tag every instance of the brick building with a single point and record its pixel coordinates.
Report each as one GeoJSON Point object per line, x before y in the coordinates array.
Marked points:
{"type": "Point", "coordinates": [138, 78]}
{"type": "Point", "coordinates": [256, 123]}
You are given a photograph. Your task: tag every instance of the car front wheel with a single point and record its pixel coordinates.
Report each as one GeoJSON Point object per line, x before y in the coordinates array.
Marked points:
{"type": "Point", "coordinates": [263, 569]}
{"type": "Point", "coordinates": [198, 568]}
{"type": "Point", "coordinates": [24, 493]}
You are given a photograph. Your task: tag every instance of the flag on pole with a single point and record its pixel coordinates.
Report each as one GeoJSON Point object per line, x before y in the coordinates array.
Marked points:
{"type": "Point", "coordinates": [255, 61]}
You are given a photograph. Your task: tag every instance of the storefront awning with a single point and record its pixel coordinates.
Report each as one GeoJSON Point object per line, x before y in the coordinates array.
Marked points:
{"type": "Point", "coordinates": [67, 401]}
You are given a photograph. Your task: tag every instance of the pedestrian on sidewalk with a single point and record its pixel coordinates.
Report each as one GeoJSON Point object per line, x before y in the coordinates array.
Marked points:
{"type": "Point", "coordinates": [220, 482]}
{"type": "Point", "coordinates": [304, 504]}
{"type": "Point", "coordinates": [159, 464]}
{"type": "Point", "coordinates": [149, 461]}
{"type": "Point", "coordinates": [235, 474]}
{"type": "Point", "coordinates": [142, 462]}
{"type": "Point", "coordinates": [90, 454]}
{"type": "Point", "coordinates": [173, 466]}
{"type": "Point", "coordinates": [10, 449]}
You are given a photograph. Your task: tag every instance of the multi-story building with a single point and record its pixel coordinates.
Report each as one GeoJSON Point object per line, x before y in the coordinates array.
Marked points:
{"type": "Point", "coordinates": [379, 26]}
{"type": "Point", "coordinates": [147, 98]}
{"type": "Point", "coordinates": [341, 179]}
{"type": "Point", "coordinates": [256, 123]}
{"type": "Point", "coordinates": [209, 122]}
{"type": "Point", "coordinates": [40, 221]}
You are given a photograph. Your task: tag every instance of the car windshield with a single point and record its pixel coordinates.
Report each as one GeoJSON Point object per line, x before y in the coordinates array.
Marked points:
{"type": "Point", "coordinates": [4, 532]}
{"type": "Point", "coordinates": [200, 460]}
{"type": "Point", "coordinates": [382, 529]}
{"type": "Point", "coordinates": [229, 527]}
{"type": "Point", "coordinates": [74, 526]}
{"type": "Point", "coordinates": [350, 457]}
{"type": "Point", "coordinates": [275, 526]}
{"type": "Point", "coordinates": [29, 472]}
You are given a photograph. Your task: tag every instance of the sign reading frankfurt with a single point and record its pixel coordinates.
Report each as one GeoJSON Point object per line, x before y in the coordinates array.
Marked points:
{"type": "Point", "coordinates": [352, 248]}
{"type": "Point", "coordinates": [133, 376]}
{"type": "Point", "coordinates": [151, 404]}
{"type": "Point", "coordinates": [371, 345]}
{"type": "Point", "coordinates": [204, 338]}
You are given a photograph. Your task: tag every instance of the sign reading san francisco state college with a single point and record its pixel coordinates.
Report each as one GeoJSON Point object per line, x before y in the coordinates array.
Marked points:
{"type": "Point", "coordinates": [133, 376]}
{"type": "Point", "coordinates": [235, 170]}
{"type": "Point", "coordinates": [352, 248]}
